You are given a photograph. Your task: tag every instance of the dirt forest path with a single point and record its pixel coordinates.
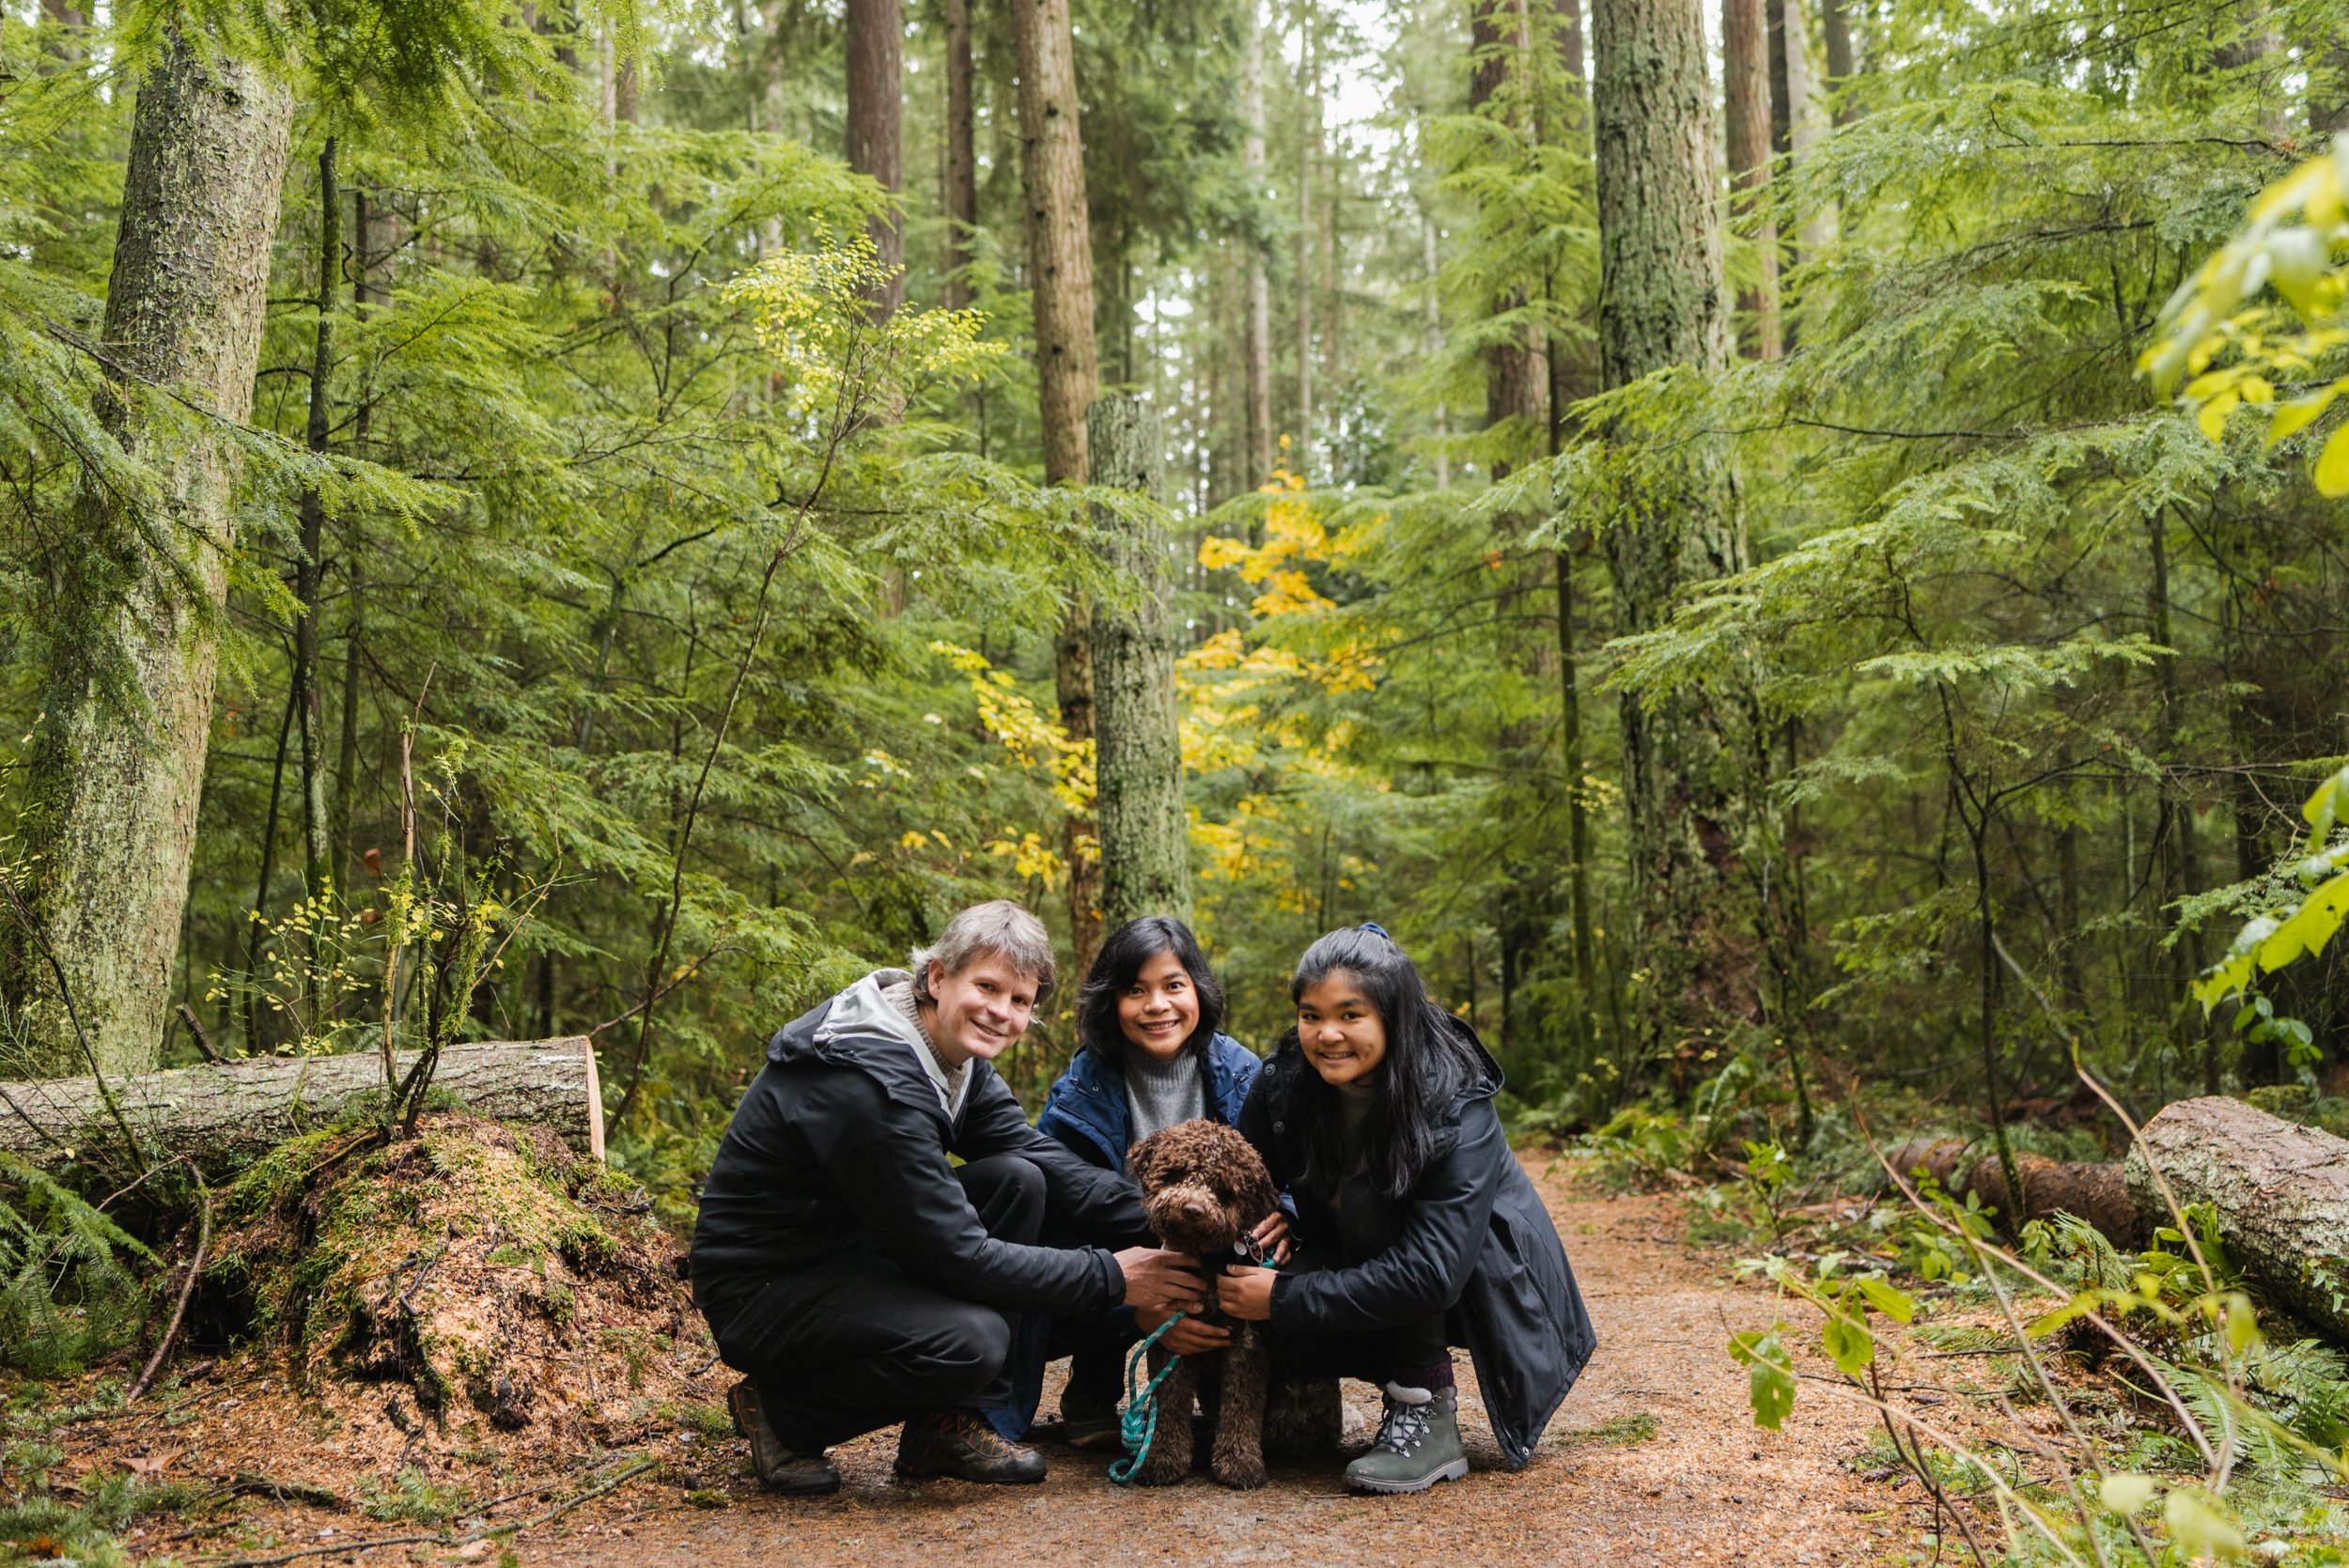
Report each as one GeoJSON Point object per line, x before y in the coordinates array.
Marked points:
{"type": "Point", "coordinates": [1705, 1487]}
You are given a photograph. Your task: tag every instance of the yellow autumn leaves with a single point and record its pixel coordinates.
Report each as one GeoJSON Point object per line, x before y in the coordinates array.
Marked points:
{"type": "Point", "coordinates": [2236, 352]}
{"type": "Point", "coordinates": [1232, 711]}
{"type": "Point", "coordinates": [812, 313]}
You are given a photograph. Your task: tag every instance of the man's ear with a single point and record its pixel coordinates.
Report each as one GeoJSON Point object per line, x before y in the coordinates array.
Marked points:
{"type": "Point", "coordinates": [931, 975]}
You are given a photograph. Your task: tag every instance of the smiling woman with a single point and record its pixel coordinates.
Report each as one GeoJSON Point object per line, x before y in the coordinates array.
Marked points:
{"type": "Point", "coordinates": [1415, 1227]}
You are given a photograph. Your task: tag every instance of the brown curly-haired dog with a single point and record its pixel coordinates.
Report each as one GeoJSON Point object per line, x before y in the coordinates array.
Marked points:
{"type": "Point", "coordinates": [1205, 1190]}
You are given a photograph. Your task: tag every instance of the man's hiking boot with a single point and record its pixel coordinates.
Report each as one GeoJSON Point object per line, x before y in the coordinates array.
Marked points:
{"type": "Point", "coordinates": [958, 1442]}
{"type": "Point", "coordinates": [1418, 1443]}
{"type": "Point", "coordinates": [780, 1469]}
{"type": "Point", "coordinates": [1086, 1422]}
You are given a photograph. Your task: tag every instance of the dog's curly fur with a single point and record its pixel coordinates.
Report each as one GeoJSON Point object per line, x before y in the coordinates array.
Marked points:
{"type": "Point", "coordinates": [1205, 1190]}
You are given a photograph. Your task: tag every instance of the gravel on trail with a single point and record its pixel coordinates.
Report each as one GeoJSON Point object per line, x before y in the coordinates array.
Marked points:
{"type": "Point", "coordinates": [1653, 1459]}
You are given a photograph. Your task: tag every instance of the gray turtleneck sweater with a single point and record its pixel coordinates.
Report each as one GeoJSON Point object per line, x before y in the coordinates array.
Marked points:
{"type": "Point", "coordinates": [1160, 1093]}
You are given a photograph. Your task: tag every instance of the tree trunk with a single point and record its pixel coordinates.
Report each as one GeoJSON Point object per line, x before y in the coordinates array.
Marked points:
{"type": "Point", "coordinates": [318, 866]}
{"type": "Point", "coordinates": [1745, 100]}
{"type": "Point", "coordinates": [2176, 804]}
{"type": "Point", "coordinates": [962, 162]}
{"type": "Point", "coordinates": [1060, 282]}
{"type": "Point", "coordinates": [1060, 252]}
{"type": "Point", "coordinates": [2097, 1193]}
{"type": "Point", "coordinates": [1836, 25]}
{"type": "Point", "coordinates": [1515, 375]}
{"type": "Point", "coordinates": [2281, 1192]}
{"type": "Point", "coordinates": [877, 32]}
{"type": "Point", "coordinates": [225, 1115]}
{"type": "Point", "coordinates": [1661, 303]}
{"type": "Point", "coordinates": [69, 21]}
{"type": "Point", "coordinates": [1781, 78]}
{"type": "Point", "coordinates": [2328, 87]}
{"type": "Point", "coordinates": [1145, 835]}
{"type": "Point", "coordinates": [1257, 307]}
{"type": "Point", "coordinates": [1434, 341]}
{"type": "Point", "coordinates": [117, 763]}
{"type": "Point", "coordinates": [1308, 150]}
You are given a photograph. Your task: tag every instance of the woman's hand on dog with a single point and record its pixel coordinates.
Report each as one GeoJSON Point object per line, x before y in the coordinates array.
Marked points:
{"type": "Point", "coordinates": [1246, 1293]}
{"type": "Point", "coordinates": [1190, 1337]}
{"type": "Point", "coordinates": [1272, 1237]}
{"type": "Point", "coordinates": [1162, 1282]}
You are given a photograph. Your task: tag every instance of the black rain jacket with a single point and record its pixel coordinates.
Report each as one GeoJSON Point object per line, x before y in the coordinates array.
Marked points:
{"type": "Point", "coordinates": [1473, 1242]}
{"type": "Point", "coordinates": [841, 1144]}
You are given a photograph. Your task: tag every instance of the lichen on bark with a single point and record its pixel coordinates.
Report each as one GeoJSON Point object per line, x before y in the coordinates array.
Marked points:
{"type": "Point", "coordinates": [115, 767]}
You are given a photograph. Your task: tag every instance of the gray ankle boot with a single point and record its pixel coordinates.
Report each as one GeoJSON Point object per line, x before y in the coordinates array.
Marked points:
{"type": "Point", "coordinates": [1418, 1443]}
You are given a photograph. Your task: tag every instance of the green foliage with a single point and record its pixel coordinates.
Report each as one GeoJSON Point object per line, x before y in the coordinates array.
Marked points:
{"type": "Point", "coordinates": [413, 1497]}
{"type": "Point", "coordinates": [2291, 931]}
{"type": "Point", "coordinates": [2295, 239]}
{"type": "Point", "coordinates": [69, 1286]}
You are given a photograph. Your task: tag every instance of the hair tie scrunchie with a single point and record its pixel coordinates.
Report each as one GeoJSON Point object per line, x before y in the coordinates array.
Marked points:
{"type": "Point", "coordinates": [1374, 925]}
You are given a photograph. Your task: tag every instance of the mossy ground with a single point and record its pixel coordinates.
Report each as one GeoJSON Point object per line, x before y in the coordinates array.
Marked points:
{"type": "Point", "coordinates": [406, 1330]}
{"type": "Point", "coordinates": [477, 1278]}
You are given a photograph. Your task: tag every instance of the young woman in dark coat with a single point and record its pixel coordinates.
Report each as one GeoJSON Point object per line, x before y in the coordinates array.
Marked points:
{"type": "Point", "coordinates": [1149, 1018]}
{"type": "Point", "coordinates": [1416, 1230]}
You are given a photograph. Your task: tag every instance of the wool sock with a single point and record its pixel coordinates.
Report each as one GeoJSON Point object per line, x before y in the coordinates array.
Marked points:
{"type": "Point", "coordinates": [1435, 1377]}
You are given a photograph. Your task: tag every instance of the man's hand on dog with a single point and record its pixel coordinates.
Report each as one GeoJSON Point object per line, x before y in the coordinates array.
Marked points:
{"type": "Point", "coordinates": [1162, 1282]}
{"type": "Point", "coordinates": [1190, 1337]}
{"type": "Point", "coordinates": [1246, 1293]}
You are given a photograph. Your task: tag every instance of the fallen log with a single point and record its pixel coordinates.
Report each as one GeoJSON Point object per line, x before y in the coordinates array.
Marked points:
{"type": "Point", "coordinates": [2281, 1192]}
{"type": "Point", "coordinates": [2095, 1192]}
{"type": "Point", "coordinates": [224, 1116]}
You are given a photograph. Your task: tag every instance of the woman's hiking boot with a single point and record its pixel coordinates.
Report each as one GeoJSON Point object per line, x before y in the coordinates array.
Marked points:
{"type": "Point", "coordinates": [1086, 1420]}
{"type": "Point", "coordinates": [1418, 1443]}
{"type": "Point", "coordinates": [780, 1469]}
{"type": "Point", "coordinates": [959, 1442]}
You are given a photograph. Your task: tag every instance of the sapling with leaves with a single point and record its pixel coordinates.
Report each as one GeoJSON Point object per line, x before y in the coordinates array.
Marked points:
{"type": "Point", "coordinates": [2242, 352]}
{"type": "Point", "coordinates": [2174, 1317]}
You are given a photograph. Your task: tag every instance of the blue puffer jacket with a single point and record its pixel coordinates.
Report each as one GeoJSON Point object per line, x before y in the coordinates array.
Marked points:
{"type": "Point", "coordinates": [1087, 1109]}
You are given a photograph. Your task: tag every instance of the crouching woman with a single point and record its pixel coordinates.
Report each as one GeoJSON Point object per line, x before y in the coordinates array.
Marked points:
{"type": "Point", "coordinates": [1149, 1018]}
{"type": "Point", "coordinates": [1416, 1230]}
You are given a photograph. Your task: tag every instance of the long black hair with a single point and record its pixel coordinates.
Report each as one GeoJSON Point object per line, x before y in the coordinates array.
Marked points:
{"type": "Point", "coordinates": [1119, 964]}
{"type": "Point", "coordinates": [1426, 1066]}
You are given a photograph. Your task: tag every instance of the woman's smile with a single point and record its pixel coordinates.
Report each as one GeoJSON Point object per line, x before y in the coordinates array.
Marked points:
{"type": "Point", "coordinates": [1340, 1031]}
{"type": "Point", "coordinates": [1160, 1011]}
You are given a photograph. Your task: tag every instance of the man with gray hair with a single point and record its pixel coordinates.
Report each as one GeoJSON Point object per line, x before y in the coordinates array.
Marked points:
{"type": "Point", "coordinates": [859, 1278]}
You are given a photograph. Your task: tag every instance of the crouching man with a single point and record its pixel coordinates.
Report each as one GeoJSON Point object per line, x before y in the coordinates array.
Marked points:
{"type": "Point", "coordinates": [856, 1275]}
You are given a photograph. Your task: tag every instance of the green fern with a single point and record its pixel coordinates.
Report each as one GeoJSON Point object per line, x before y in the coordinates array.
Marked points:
{"type": "Point", "coordinates": [69, 1289]}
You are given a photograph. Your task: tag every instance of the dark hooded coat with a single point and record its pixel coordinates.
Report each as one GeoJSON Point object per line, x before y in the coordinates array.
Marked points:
{"type": "Point", "coordinates": [1473, 1242]}
{"type": "Point", "coordinates": [841, 1144]}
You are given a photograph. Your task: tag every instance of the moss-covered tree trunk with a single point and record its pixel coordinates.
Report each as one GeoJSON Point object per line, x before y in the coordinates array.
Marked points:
{"type": "Point", "coordinates": [116, 763]}
{"type": "Point", "coordinates": [1145, 837]}
{"type": "Point", "coordinates": [1068, 364]}
{"type": "Point", "coordinates": [1660, 304]}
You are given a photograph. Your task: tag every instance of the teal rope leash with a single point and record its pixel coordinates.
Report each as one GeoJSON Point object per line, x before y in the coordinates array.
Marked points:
{"type": "Point", "coordinates": [1138, 1426]}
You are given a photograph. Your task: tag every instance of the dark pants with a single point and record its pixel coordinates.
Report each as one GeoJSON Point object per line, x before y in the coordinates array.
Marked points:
{"type": "Point", "coordinates": [1365, 1224]}
{"type": "Point", "coordinates": [853, 1343]}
